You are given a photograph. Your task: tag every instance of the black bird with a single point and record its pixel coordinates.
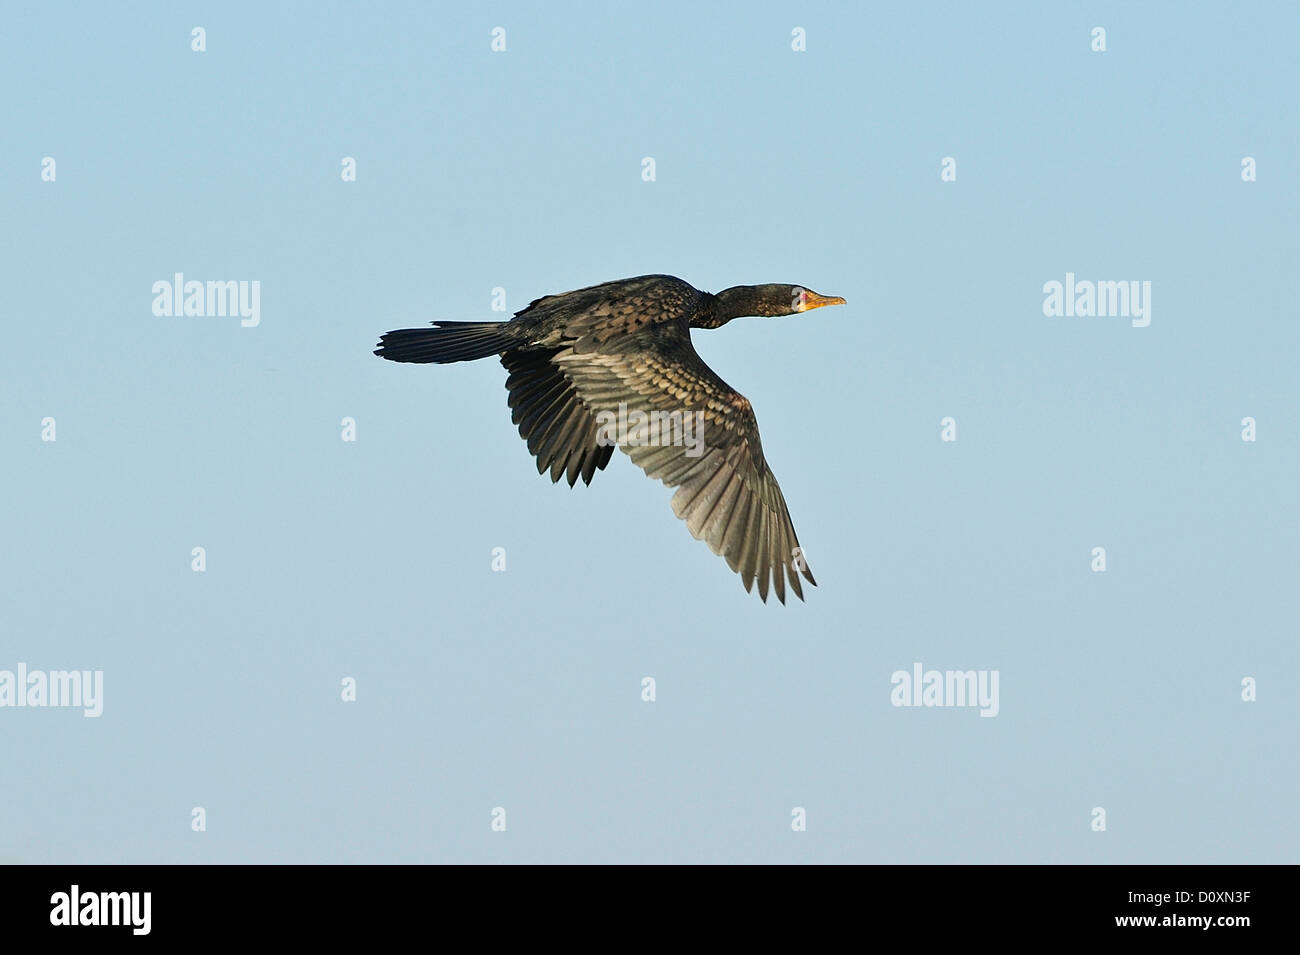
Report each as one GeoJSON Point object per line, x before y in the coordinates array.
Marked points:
{"type": "Point", "coordinates": [578, 360]}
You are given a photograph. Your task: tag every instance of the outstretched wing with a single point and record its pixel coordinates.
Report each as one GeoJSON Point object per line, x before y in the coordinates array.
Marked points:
{"type": "Point", "coordinates": [560, 430]}
{"type": "Point", "coordinates": [726, 493]}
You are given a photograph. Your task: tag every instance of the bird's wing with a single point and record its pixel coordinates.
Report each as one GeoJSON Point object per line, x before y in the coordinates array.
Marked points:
{"type": "Point", "coordinates": [726, 493]}
{"type": "Point", "coordinates": [560, 430]}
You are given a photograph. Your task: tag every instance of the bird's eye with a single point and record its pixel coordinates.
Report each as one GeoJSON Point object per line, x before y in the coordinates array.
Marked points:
{"type": "Point", "coordinates": [800, 299]}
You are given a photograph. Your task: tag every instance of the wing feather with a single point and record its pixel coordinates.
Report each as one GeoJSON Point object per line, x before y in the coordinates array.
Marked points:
{"type": "Point", "coordinates": [558, 427]}
{"type": "Point", "coordinates": [727, 495]}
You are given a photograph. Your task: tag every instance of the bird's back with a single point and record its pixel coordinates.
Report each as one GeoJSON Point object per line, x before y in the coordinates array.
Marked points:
{"type": "Point", "coordinates": [598, 313]}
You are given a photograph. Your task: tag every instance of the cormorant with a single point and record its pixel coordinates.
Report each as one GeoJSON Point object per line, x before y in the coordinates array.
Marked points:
{"type": "Point", "coordinates": [580, 360]}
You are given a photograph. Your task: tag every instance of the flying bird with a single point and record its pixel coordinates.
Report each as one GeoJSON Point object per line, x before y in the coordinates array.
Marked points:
{"type": "Point", "coordinates": [581, 360]}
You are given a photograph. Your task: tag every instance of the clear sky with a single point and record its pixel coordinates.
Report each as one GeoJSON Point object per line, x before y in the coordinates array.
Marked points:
{"type": "Point", "coordinates": [372, 559]}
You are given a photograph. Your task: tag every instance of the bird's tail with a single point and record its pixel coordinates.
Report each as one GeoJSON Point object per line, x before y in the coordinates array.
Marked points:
{"type": "Point", "coordinates": [446, 342]}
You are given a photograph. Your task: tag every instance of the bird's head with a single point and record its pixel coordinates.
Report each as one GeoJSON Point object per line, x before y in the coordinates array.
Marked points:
{"type": "Point", "coordinates": [766, 301]}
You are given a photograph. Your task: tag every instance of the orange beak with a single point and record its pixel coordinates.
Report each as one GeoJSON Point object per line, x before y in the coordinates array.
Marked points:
{"type": "Point", "coordinates": [809, 300]}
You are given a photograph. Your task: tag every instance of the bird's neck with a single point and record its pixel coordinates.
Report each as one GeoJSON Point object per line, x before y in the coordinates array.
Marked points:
{"type": "Point", "coordinates": [739, 301]}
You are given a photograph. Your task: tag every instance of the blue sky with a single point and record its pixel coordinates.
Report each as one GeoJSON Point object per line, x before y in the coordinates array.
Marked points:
{"type": "Point", "coordinates": [522, 170]}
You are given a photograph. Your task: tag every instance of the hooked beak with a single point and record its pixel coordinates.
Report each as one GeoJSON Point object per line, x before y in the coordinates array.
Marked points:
{"type": "Point", "coordinates": [809, 300]}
